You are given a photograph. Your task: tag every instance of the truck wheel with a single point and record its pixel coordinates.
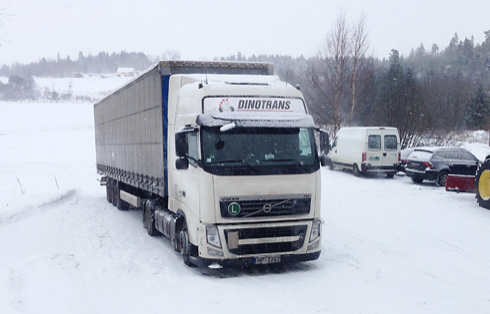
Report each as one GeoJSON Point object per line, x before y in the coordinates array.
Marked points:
{"type": "Point", "coordinates": [355, 170]}
{"type": "Point", "coordinates": [148, 218]}
{"type": "Point", "coordinates": [185, 245]}
{"type": "Point", "coordinates": [441, 178]}
{"type": "Point", "coordinates": [120, 204]}
{"type": "Point", "coordinates": [108, 190]}
{"type": "Point", "coordinates": [482, 185]}
{"type": "Point", "coordinates": [114, 192]}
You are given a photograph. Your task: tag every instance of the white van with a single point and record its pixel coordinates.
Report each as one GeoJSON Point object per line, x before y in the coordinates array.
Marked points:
{"type": "Point", "coordinates": [366, 150]}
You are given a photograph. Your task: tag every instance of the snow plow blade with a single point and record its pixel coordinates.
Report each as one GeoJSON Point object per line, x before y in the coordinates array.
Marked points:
{"type": "Point", "coordinates": [460, 183]}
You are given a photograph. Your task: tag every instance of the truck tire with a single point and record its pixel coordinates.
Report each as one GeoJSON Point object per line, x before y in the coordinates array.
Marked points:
{"type": "Point", "coordinates": [185, 245]}
{"type": "Point", "coordinates": [441, 178]}
{"type": "Point", "coordinates": [482, 185]}
{"type": "Point", "coordinates": [114, 192]}
{"type": "Point", "coordinates": [108, 190]}
{"type": "Point", "coordinates": [148, 218]}
{"type": "Point", "coordinates": [120, 204]}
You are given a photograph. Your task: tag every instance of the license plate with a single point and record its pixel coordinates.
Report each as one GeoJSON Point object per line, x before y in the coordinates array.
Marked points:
{"type": "Point", "coordinates": [414, 164]}
{"type": "Point", "coordinates": [267, 259]}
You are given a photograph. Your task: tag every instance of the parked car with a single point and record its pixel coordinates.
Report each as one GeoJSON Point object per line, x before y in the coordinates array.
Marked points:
{"type": "Point", "coordinates": [404, 153]}
{"type": "Point", "coordinates": [435, 163]}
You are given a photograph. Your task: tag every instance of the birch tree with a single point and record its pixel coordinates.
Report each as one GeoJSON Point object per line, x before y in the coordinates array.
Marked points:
{"type": "Point", "coordinates": [360, 45]}
{"type": "Point", "coordinates": [332, 84]}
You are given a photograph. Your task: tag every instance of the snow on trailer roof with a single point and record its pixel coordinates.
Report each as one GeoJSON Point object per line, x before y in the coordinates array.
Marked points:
{"type": "Point", "coordinates": [215, 67]}
{"type": "Point", "coordinates": [202, 67]}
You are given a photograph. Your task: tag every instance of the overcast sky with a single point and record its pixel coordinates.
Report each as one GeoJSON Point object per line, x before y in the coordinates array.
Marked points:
{"type": "Point", "coordinates": [202, 30]}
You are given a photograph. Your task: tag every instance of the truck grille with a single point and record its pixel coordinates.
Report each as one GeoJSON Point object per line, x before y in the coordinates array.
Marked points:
{"type": "Point", "coordinates": [254, 238]}
{"type": "Point", "coordinates": [273, 207]}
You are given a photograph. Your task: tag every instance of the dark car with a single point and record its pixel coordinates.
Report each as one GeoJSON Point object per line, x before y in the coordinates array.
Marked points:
{"type": "Point", "coordinates": [403, 158]}
{"type": "Point", "coordinates": [435, 163]}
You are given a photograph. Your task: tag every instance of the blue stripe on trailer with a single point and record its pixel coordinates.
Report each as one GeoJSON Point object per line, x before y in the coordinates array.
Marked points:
{"type": "Point", "coordinates": [165, 91]}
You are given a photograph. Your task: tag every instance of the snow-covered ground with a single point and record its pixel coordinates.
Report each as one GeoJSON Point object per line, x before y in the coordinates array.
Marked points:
{"type": "Point", "coordinates": [93, 86]}
{"type": "Point", "coordinates": [389, 246]}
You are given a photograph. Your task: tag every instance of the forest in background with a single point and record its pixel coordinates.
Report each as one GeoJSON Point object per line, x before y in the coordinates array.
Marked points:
{"type": "Point", "coordinates": [427, 94]}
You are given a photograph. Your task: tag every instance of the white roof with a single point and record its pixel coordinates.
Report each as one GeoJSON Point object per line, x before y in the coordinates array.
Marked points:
{"type": "Point", "coordinates": [125, 70]}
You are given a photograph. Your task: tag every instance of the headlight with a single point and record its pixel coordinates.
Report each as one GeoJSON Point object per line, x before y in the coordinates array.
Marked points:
{"type": "Point", "coordinates": [213, 236]}
{"type": "Point", "coordinates": [315, 230]}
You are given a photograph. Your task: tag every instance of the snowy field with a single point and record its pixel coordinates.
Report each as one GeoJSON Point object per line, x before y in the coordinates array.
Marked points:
{"type": "Point", "coordinates": [389, 246]}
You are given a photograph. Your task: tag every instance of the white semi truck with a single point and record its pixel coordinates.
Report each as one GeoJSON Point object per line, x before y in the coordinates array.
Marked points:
{"type": "Point", "coordinates": [220, 156]}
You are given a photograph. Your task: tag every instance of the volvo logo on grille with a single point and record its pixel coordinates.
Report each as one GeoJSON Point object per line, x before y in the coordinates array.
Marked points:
{"type": "Point", "coordinates": [267, 207]}
{"type": "Point", "coordinates": [234, 208]}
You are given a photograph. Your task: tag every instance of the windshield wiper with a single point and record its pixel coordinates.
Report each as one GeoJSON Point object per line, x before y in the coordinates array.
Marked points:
{"type": "Point", "coordinates": [237, 161]}
{"type": "Point", "coordinates": [294, 161]}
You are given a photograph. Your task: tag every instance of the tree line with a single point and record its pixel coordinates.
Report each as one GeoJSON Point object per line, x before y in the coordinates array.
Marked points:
{"type": "Point", "coordinates": [429, 93]}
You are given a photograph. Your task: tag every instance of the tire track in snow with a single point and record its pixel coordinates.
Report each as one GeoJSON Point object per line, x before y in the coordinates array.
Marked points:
{"type": "Point", "coordinates": [26, 212]}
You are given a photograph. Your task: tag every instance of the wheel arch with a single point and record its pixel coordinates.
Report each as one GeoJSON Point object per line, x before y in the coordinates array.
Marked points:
{"type": "Point", "coordinates": [193, 234]}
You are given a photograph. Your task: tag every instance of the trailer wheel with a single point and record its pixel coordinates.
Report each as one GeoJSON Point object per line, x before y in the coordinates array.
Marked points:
{"type": "Point", "coordinates": [148, 218]}
{"type": "Point", "coordinates": [441, 178]}
{"type": "Point", "coordinates": [185, 245]}
{"type": "Point", "coordinates": [114, 192]}
{"type": "Point", "coordinates": [482, 185]}
{"type": "Point", "coordinates": [355, 170]}
{"type": "Point", "coordinates": [120, 204]}
{"type": "Point", "coordinates": [108, 190]}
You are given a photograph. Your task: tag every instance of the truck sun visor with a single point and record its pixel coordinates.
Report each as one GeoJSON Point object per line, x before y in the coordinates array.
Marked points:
{"type": "Point", "coordinates": [245, 120]}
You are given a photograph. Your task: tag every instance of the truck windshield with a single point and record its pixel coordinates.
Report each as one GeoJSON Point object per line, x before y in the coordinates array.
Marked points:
{"type": "Point", "coordinates": [257, 151]}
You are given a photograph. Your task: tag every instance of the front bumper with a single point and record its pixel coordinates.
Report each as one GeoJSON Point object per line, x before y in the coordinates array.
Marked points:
{"type": "Point", "coordinates": [242, 243]}
{"type": "Point", "coordinates": [250, 261]}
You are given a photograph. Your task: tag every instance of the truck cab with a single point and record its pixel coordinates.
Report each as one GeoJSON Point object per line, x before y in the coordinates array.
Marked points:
{"type": "Point", "coordinates": [246, 170]}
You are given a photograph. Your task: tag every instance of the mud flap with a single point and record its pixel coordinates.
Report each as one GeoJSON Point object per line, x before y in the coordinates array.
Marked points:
{"type": "Point", "coordinates": [460, 183]}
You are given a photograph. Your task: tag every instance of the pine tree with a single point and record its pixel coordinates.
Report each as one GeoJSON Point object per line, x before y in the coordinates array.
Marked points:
{"type": "Point", "coordinates": [477, 111]}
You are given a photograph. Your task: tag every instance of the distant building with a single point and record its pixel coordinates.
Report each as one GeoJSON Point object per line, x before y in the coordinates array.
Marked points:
{"type": "Point", "coordinates": [126, 72]}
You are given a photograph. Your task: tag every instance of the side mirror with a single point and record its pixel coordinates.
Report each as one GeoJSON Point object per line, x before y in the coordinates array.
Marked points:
{"type": "Point", "coordinates": [324, 142]}
{"type": "Point", "coordinates": [181, 144]}
{"type": "Point", "coordinates": [324, 160]}
{"type": "Point", "coordinates": [182, 164]}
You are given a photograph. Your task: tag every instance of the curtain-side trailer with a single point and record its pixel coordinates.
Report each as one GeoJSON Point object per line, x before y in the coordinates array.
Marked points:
{"type": "Point", "coordinates": [220, 156]}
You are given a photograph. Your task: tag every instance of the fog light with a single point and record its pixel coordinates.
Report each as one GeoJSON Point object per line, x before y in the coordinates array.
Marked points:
{"type": "Point", "coordinates": [313, 246]}
{"type": "Point", "coordinates": [214, 252]}
{"type": "Point", "coordinates": [315, 230]}
{"type": "Point", "coordinates": [213, 236]}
